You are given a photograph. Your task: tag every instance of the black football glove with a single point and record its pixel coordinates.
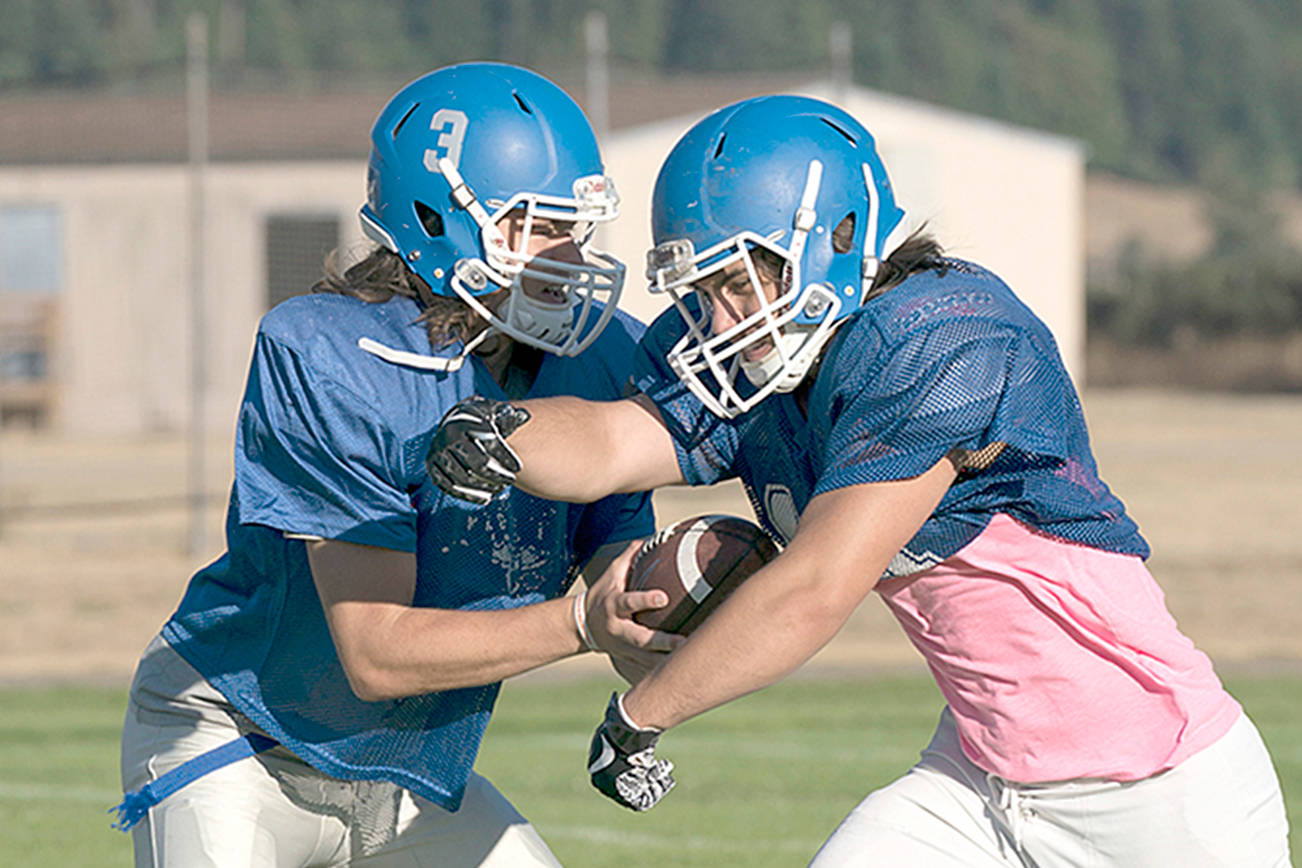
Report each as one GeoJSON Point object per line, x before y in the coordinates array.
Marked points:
{"type": "Point", "coordinates": [468, 457]}
{"type": "Point", "coordinates": [622, 761]}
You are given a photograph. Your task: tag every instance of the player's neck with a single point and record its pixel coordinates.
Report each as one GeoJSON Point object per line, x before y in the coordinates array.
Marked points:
{"type": "Point", "coordinates": [513, 365]}
{"type": "Point", "coordinates": [801, 392]}
{"type": "Point", "coordinates": [801, 396]}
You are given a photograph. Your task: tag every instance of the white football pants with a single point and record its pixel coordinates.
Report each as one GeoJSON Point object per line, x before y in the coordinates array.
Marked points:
{"type": "Point", "coordinates": [1221, 807]}
{"type": "Point", "coordinates": [275, 811]}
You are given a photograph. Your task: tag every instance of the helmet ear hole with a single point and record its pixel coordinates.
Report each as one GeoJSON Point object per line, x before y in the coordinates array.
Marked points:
{"type": "Point", "coordinates": [843, 235]}
{"type": "Point", "coordinates": [430, 220]}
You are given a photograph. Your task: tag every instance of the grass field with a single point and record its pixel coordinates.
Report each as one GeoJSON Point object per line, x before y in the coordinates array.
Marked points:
{"type": "Point", "coordinates": [92, 561]}
{"type": "Point", "coordinates": [761, 782]}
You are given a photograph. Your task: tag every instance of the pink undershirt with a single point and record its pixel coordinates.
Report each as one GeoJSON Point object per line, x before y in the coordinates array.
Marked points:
{"type": "Point", "coordinates": [1059, 661]}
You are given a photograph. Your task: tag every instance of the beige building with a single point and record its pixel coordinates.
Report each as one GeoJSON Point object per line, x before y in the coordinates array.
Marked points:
{"type": "Point", "coordinates": [95, 273]}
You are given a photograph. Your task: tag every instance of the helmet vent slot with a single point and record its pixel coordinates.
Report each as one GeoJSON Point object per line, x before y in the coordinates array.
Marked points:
{"type": "Point", "coordinates": [843, 235]}
{"type": "Point", "coordinates": [524, 106]}
{"type": "Point", "coordinates": [403, 120]}
{"type": "Point", "coordinates": [718, 149]}
{"type": "Point", "coordinates": [430, 220]}
{"type": "Point", "coordinates": [844, 132]}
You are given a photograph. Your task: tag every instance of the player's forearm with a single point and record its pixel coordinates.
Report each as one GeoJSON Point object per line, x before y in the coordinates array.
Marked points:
{"type": "Point", "coordinates": [783, 614]}
{"type": "Point", "coordinates": [766, 629]}
{"type": "Point", "coordinates": [391, 651]}
{"type": "Point", "coordinates": [565, 451]}
{"type": "Point", "coordinates": [581, 451]}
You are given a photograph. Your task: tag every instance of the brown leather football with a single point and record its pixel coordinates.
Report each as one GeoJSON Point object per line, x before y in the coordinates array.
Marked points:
{"type": "Point", "coordinates": [697, 562]}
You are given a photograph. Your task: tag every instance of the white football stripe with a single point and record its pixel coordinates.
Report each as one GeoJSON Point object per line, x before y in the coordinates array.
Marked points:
{"type": "Point", "coordinates": [28, 792]}
{"type": "Point", "coordinates": [689, 571]}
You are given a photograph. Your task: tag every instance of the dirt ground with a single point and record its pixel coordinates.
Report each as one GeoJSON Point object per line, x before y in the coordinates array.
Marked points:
{"type": "Point", "coordinates": [93, 535]}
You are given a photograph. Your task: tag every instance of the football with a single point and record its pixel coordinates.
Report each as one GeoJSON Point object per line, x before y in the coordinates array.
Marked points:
{"type": "Point", "coordinates": [697, 562]}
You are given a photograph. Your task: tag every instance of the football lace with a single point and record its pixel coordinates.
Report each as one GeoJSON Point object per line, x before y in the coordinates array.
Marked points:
{"type": "Point", "coordinates": [656, 539]}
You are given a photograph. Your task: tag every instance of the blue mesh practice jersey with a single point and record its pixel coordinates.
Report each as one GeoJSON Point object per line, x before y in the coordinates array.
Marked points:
{"type": "Point", "coordinates": [947, 360]}
{"type": "Point", "coordinates": [331, 442]}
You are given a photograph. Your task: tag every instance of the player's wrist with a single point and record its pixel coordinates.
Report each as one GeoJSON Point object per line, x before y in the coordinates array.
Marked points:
{"type": "Point", "coordinates": [579, 615]}
{"type": "Point", "coordinates": [468, 456]}
{"type": "Point", "coordinates": [622, 762]}
{"type": "Point", "coordinates": [639, 713]}
{"type": "Point", "coordinates": [629, 719]}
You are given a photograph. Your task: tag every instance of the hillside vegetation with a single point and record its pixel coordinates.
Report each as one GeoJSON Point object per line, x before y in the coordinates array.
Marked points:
{"type": "Point", "coordinates": [1208, 91]}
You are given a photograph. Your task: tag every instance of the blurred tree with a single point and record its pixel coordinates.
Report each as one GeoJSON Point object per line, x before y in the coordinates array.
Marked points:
{"type": "Point", "coordinates": [16, 37]}
{"type": "Point", "coordinates": [637, 29]}
{"type": "Point", "coordinates": [723, 36]}
{"type": "Point", "coordinates": [63, 39]}
{"type": "Point", "coordinates": [1248, 283]}
{"type": "Point", "coordinates": [1064, 74]}
{"type": "Point", "coordinates": [1189, 90]}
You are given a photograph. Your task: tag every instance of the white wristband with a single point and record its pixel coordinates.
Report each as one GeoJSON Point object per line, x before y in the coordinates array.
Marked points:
{"type": "Point", "coordinates": [581, 621]}
{"type": "Point", "coordinates": [619, 703]}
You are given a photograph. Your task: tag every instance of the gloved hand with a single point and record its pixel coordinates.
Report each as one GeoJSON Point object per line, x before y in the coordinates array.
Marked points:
{"type": "Point", "coordinates": [622, 761]}
{"type": "Point", "coordinates": [468, 456]}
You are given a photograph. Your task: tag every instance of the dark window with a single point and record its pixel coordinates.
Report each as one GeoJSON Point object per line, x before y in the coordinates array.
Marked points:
{"type": "Point", "coordinates": [31, 279]}
{"type": "Point", "coordinates": [297, 246]}
{"type": "Point", "coordinates": [27, 329]}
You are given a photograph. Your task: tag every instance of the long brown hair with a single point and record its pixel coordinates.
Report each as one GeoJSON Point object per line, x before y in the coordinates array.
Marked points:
{"type": "Point", "coordinates": [919, 252]}
{"type": "Point", "coordinates": [382, 274]}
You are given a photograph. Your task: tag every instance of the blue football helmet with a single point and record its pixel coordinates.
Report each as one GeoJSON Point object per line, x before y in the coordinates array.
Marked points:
{"type": "Point", "coordinates": [458, 149]}
{"type": "Point", "coordinates": [779, 174]}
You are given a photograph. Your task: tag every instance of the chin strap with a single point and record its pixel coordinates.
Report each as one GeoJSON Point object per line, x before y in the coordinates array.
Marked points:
{"type": "Point", "coordinates": [420, 360]}
{"type": "Point", "coordinates": [465, 198]}
{"type": "Point", "coordinates": [870, 260]}
{"type": "Point", "coordinates": [806, 215]}
{"type": "Point", "coordinates": [762, 371]}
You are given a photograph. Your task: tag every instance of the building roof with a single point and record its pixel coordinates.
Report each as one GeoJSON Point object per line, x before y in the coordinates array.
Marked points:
{"type": "Point", "coordinates": [81, 127]}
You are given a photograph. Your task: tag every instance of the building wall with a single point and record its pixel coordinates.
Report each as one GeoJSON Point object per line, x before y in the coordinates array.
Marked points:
{"type": "Point", "coordinates": [123, 362]}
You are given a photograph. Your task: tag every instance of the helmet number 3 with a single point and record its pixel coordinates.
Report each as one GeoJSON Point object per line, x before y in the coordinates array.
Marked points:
{"type": "Point", "coordinates": [451, 126]}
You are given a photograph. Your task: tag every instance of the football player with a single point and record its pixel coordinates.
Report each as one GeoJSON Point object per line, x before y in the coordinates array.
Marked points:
{"type": "Point", "coordinates": [905, 424]}
{"type": "Point", "coordinates": [319, 696]}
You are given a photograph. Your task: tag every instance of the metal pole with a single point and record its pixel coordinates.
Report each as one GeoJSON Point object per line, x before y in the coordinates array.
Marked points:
{"type": "Point", "coordinates": [197, 116]}
{"type": "Point", "coordinates": [838, 49]}
{"type": "Point", "coordinates": [597, 44]}
{"type": "Point", "coordinates": [2, 437]}
{"type": "Point", "coordinates": [597, 86]}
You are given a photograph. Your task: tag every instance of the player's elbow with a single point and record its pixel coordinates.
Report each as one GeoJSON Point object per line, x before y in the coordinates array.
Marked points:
{"type": "Point", "coordinates": [819, 615]}
{"type": "Point", "coordinates": [371, 683]}
{"type": "Point", "coordinates": [826, 595]}
{"type": "Point", "coordinates": [367, 670]}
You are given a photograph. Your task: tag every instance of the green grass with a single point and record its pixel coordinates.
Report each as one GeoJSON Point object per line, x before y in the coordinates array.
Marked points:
{"type": "Point", "coordinates": [59, 776]}
{"type": "Point", "coordinates": [761, 781]}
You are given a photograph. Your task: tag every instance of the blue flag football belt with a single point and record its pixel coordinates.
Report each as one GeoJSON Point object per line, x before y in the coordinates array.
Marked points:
{"type": "Point", "coordinates": [136, 804]}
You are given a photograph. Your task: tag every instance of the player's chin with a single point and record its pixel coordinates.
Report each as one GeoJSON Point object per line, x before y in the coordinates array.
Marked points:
{"type": "Point", "coordinates": [757, 351]}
